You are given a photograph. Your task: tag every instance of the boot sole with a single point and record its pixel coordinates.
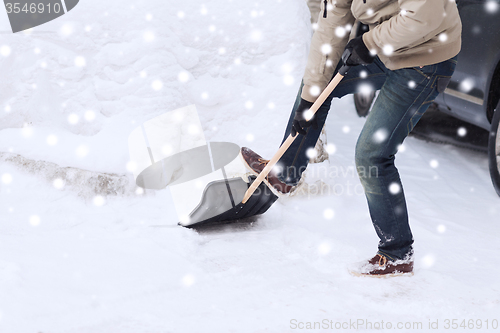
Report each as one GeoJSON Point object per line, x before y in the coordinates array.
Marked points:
{"type": "Point", "coordinates": [275, 191]}
{"type": "Point", "coordinates": [381, 276]}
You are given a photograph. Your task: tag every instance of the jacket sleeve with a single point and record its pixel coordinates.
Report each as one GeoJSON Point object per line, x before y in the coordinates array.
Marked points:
{"type": "Point", "coordinates": [328, 43]}
{"type": "Point", "coordinates": [411, 26]}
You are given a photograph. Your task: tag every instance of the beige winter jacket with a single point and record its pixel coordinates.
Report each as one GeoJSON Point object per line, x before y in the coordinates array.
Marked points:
{"type": "Point", "coordinates": [403, 33]}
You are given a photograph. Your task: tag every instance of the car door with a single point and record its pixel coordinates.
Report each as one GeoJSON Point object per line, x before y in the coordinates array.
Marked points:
{"type": "Point", "coordinates": [467, 94]}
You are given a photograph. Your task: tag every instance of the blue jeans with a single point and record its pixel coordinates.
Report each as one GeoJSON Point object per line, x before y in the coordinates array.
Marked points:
{"type": "Point", "coordinates": [405, 94]}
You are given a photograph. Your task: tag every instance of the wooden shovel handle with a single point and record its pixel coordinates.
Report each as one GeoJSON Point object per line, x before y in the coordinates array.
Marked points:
{"type": "Point", "coordinates": [288, 142]}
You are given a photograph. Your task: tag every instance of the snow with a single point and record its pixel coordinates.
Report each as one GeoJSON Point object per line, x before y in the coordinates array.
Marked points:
{"type": "Point", "coordinates": [83, 250]}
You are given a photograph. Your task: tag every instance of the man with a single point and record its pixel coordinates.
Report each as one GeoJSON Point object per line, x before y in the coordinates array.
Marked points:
{"type": "Point", "coordinates": [409, 53]}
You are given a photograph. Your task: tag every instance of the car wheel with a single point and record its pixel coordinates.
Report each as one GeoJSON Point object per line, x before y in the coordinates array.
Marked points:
{"type": "Point", "coordinates": [363, 102]}
{"type": "Point", "coordinates": [494, 150]}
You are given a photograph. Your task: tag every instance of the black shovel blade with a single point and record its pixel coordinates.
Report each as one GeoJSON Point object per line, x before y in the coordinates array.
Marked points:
{"type": "Point", "coordinates": [214, 199]}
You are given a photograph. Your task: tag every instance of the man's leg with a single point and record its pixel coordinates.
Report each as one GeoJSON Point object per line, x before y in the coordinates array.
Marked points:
{"type": "Point", "coordinates": [294, 161]}
{"type": "Point", "coordinates": [405, 96]}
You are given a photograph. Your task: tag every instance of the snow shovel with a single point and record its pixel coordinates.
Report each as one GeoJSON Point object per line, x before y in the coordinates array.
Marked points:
{"type": "Point", "coordinates": [221, 203]}
{"type": "Point", "coordinates": [218, 204]}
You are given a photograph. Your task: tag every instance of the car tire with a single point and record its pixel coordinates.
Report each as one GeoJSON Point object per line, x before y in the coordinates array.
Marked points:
{"type": "Point", "coordinates": [363, 102]}
{"type": "Point", "coordinates": [494, 149]}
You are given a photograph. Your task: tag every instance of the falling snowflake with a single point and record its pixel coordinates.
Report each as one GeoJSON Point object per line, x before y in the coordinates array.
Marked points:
{"type": "Point", "coordinates": [5, 50]}
{"type": "Point", "coordinates": [73, 119]}
{"type": "Point", "coordinates": [428, 261]}
{"type": "Point", "coordinates": [248, 105]}
{"type": "Point", "coordinates": [380, 135]}
{"type": "Point", "coordinates": [326, 48]}
{"type": "Point", "coordinates": [222, 50]}
{"type": "Point", "coordinates": [328, 214]}
{"type": "Point", "coordinates": [80, 61]}
{"type": "Point", "coordinates": [37, 50]}
{"type": "Point", "coordinates": [411, 84]}
{"type": "Point", "coordinates": [388, 49]}
{"type": "Point", "coordinates": [82, 151]}
{"type": "Point", "coordinates": [66, 30]}
{"type": "Point", "coordinates": [149, 17]}
{"type": "Point", "coordinates": [27, 131]}
{"type": "Point", "coordinates": [466, 85]}
{"type": "Point", "coordinates": [277, 168]}
{"type": "Point", "coordinates": [331, 148]}
{"type": "Point", "coordinates": [203, 10]}
{"type": "Point", "coordinates": [256, 35]}
{"type": "Point", "coordinates": [148, 36]}
{"type": "Point", "coordinates": [324, 248]}
{"type": "Point", "coordinates": [6, 178]}
{"type": "Point", "coordinates": [88, 28]}
{"type": "Point", "coordinates": [51, 140]}
{"type": "Point", "coordinates": [181, 14]}
{"type": "Point", "coordinates": [287, 67]}
{"type": "Point", "coordinates": [311, 153]}
{"type": "Point", "coordinates": [401, 148]}
{"type": "Point", "coordinates": [369, 11]}
{"type": "Point", "coordinates": [58, 183]}
{"type": "Point", "coordinates": [271, 105]}
{"type": "Point", "coordinates": [365, 89]}
{"type": "Point", "coordinates": [188, 280]}
{"type": "Point", "coordinates": [288, 80]}
{"type": "Point", "coordinates": [183, 77]}
{"type": "Point", "coordinates": [346, 129]}
{"type": "Point", "coordinates": [34, 220]}
{"type": "Point", "coordinates": [462, 131]}
{"type": "Point", "coordinates": [7, 108]}
{"type": "Point", "coordinates": [394, 188]}
{"type": "Point", "coordinates": [131, 166]}
{"type": "Point", "coordinates": [491, 6]}
{"type": "Point", "coordinates": [212, 28]}
{"type": "Point", "coordinates": [443, 37]}
{"type": "Point", "coordinates": [139, 191]}
{"type": "Point", "coordinates": [363, 74]}
{"type": "Point", "coordinates": [143, 74]}
{"type": "Point", "coordinates": [340, 32]}
{"type": "Point", "coordinates": [441, 228]}
{"type": "Point", "coordinates": [193, 129]}
{"type": "Point", "coordinates": [99, 200]}
{"type": "Point", "coordinates": [157, 85]}
{"type": "Point", "coordinates": [434, 164]}
{"type": "Point", "coordinates": [308, 115]}
{"type": "Point", "coordinates": [250, 137]}
{"type": "Point", "coordinates": [314, 90]}
{"type": "Point", "coordinates": [89, 115]}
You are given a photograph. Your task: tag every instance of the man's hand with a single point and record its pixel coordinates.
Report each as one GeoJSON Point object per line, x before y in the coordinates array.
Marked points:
{"type": "Point", "coordinates": [303, 118]}
{"type": "Point", "coordinates": [359, 53]}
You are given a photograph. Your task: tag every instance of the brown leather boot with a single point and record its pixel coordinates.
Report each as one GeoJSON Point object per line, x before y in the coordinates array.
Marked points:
{"type": "Point", "coordinates": [256, 164]}
{"type": "Point", "coordinates": [381, 266]}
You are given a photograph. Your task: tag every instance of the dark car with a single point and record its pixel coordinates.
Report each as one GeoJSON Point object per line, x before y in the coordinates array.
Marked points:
{"type": "Point", "coordinates": [473, 94]}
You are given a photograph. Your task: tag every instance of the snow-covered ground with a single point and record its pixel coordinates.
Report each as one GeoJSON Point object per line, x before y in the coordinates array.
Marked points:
{"type": "Point", "coordinates": [79, 253]}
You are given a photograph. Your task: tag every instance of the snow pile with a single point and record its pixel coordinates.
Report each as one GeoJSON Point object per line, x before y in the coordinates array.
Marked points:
{"type": "Point", "coordinates": [74, 88]}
